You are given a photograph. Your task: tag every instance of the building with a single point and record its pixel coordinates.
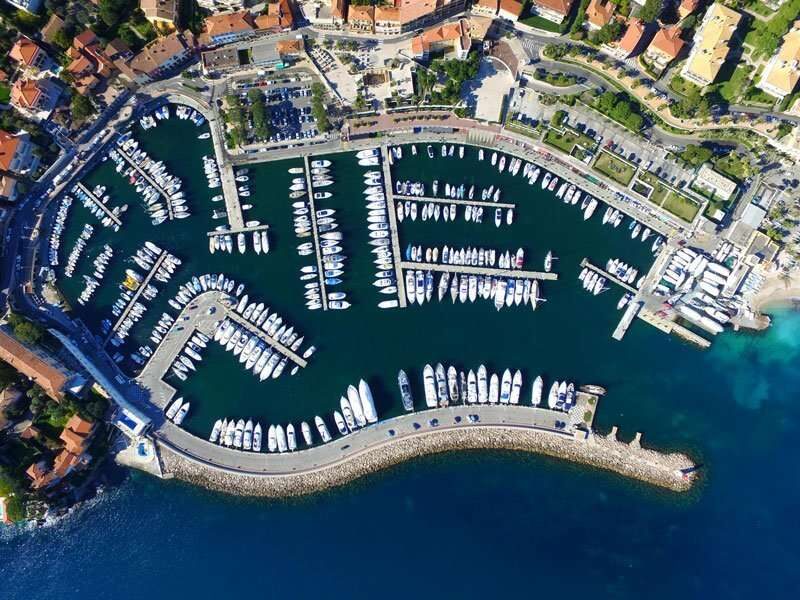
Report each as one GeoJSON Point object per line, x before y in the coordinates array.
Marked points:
{"type": "Point", "coordinates": [17, 157]}
{"type": "Point", "coordinates": [552, 10]}
{"type": "Point", "coordinates": [48, 372]}
{"type": "Point", "coordinates": [665, 47]}
{"type": "Point", "coordinates": [215, 6]}
{"type": "Point", "coordinates": [711, 182]}
{"type": "Point", "coordinates": [631, 40]}
{"type": "Point", "coordinates": [31, 6]}
{"type": "Point", "coordinates": [510, 10]}
{"type": "Point", "coordinates": [782, 72]}
{"type": "Point", "coordinates": [447, 38]}
{"type": "Point", "coordinates": [89, 64]}
{"type": "Point", "coordinates": [711, 45]}
{"type": "Point", "coordinates": [361, 18]}
{"type": "Point", "coordinates": [487, 8]}
{"type": "Point", "coordinates": [76, 437]}
{"type": "Point", "coordinates": [159, 57]}
{"type": "Point", "coordinates": [599, 13]}
{"type": "Point", "coordinates": [687, 7]}
{"type": "Point", "coordinates": [228, 27]}
{"type": "Point", "coordinates": [277, 17]}
{"type": "Point", "coordinates": [387, 20]}
{"type": "Point", "coordinates": [51, 28]}
{"type": "Point", "coordinates": [328, 14]}
{"type": "Point", "coordinates": [418, 14]}
{"type": "Point", "coordinates": [28, 54]}
{"type": "Point", "coordinates": [35, 98]}
{"type": "Point", "coordinates": [161, 13]}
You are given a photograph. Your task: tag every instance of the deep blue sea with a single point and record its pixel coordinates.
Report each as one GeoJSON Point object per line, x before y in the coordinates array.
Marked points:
{"type": "Point", "coordinates": [480, 525]}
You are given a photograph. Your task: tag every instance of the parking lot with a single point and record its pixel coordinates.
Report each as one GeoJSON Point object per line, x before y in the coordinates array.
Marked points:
{"type": "Point", "coordinates": [289, 103]}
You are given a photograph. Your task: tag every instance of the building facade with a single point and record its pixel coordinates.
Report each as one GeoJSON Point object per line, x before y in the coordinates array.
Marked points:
{"type": "Point", "coordinates": [782, 72]}
{"type": "Point", "coordinates": [711, 45]}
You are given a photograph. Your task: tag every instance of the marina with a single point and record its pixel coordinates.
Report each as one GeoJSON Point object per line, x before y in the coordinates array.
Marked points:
{"type": "Point", "coordinates": [250, 229]}
{"type": "Point", "coordinates": [108, 213]}
{"type": "Point", "coordinates": [456, 201]}
{"type": "Point", "coordinates": [393, 231]}
{"type": "Point", "coordinates": [315, 235]}
{"type": "Point", "coordinates": [609, 276]}
{"type": "Point", "coordinates": [485, 271]}
{"type": "Point", "coordinates": [166, 195]}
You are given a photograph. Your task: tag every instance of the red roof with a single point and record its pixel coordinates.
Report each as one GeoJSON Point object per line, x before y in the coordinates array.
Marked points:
{"type": "Point", "coordinates": [8, 148]}
{"type": "Point", "coordinates": [512, 6]}
{"type": "Point", "coordinates": [599, 12]}
{"type": "Point", "coordinates": [24, 51]}
{"type": "Point", "coordinates": [669, 41]}
{"type": "Point", "coordinates": [562, 7]}
{"type": "Point", "coordinates": [633, 35]}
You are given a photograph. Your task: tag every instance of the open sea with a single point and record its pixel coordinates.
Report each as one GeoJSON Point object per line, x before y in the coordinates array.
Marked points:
{"type": "Point", "coordinates": [460, 525]}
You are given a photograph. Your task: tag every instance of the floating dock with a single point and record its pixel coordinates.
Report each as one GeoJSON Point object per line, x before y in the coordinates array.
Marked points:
{"type": "Point", "coordinates": [137, 293]}
{"type": "Point", "coordinates": [151, 181]}
{"type": "Point", "coordinates": [99, 203]}
{"type": "Point", "coordinates": [486, 271]}
{"type": "Point", "coordinates": [393, 233]}
{"type": "Point", "coordinates": [456, 201]}
{"type": "Point", "coordinates": [613, 278]}
{"type": "Point", "coordinates": [315, 235]}
{"type": "Point", "coordinates": [263, 336]}
{"type": "Point", "coordinates": [216, 233]}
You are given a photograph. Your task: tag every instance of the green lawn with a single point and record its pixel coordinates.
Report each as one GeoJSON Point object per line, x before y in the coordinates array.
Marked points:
{"type": "Point", "coordinates": [610, 166]}
{"type": "Point", "coordinates": [681, 206]}
{"type": "Point", "coordinates": [568, 140]}
{"type": "Point", "coordinates": [5, 94]}
{"type": "Point", "coordinates": [541, 23]}
{"type": "Point", "coordinates": [660, 191]}
{"type": "Point", "coordinates": [680, 86]}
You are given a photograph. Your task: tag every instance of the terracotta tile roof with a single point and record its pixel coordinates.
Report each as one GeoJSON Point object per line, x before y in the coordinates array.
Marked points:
{"type": "Point", "coordinates": [512, 7]}
{"type": "Point", "coordinates": [633, 35]}
{"type": "Point", "coordinates": [52, 27]}
{"type": "Point", "coordinates": [278, 16]}
{"type": "Point", "coordinates": [63, 463]}
{"type": "Point", "coordinates": [158, 52]}
{"type": "Point", "coordinates": [80, 425]}
{"type": "Point", "coordinates": [411, 10]}
{"type": "Point", "coordinates": [29, 432]}
{"type": "Point", "coordinates": [37, 471]}
{"type": "Point", "coordinates": [235, 22]}
{"type": "Point", "coordinates": [687, 7]}
{"type": "Point", "coordinates": [24, 51]}
{"type": "Point", "coordinates": [668, 41]}
{"type": "Point", "coordinates": [599, 12]}
{"type": "Point", "coordinates": [361, 13]}
{"type": "Point", "coordinates": [73, 442]}
{"type": "Point", "coordinates": [50, 378]}
{"type": "Point", "coordinates": [290, 47]}
{"type": "Point", "coordinates": [339, 8]}
{"type": "Point", "coordinates": [561, 7]}
{"type": "Point", "coordinates": [490, 4]}
{"type": "Point", "coordinates": [85, 38]}
{"type": "Point", "coordinates": [387, 13]}
{"type": "Point", "coordinates": [116, 47]}
{"type": "Point", "coordinates": [8, 148]}
{"type": "Point", "coordinates": [443, 33]}
{"type": "Point", "coordinates": [163, 10]}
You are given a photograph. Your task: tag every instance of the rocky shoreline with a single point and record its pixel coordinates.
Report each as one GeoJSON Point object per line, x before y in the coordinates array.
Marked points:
{"type": "Point", "coordinates": [628, 460]}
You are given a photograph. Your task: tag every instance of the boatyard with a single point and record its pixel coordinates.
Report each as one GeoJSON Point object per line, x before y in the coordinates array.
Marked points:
{"type": "Point", "coordinates": [426, 218]}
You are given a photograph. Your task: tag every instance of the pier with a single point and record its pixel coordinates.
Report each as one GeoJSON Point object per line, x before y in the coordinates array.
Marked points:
{"type": "Point", "coordinates": [230, 193]}
{"type": "Point", "coordinates": [393, 234]}
{"type": "Point", "coordinates": [456, 201]}
{"type": "Point", "coordinates": [485, 271]}
{"type": "Point", "coordinates": [98, 203]}
{"type": "Point", "coordinates": [150, 180]}
{"type": "Point", "coordinates": [216, 233]}
{"type": "Point", "coordinates": [315, 235]}
{"type": "Point", "coordinates": [672, 327]}
{"type": "Point", "coordinates": [627, 318]}
{"type": "Point", "coordinates": [137, 293]}
{"type": "Point", "coordinates": [613, 278]}
{"type": "Point", "coordinates": [263, 336]}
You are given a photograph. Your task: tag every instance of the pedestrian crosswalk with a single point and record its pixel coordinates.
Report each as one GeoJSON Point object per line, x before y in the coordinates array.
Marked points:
{"type": "Point", "coordinates": [531, 47]}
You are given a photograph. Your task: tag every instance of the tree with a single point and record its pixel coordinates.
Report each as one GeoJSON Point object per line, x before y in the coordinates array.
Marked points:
{"type": "Point", "coordinates": [81, 107]}
{"type": "Point", "coordinates": [38, 398]}
{"type": "Point", "coordinates": [318, 107]}
{"type": "Point", "coordinates": [8, 375]}
{"type": "Point", "coordinates": [689, 23]}
{"type": "Point", "coordinates": [650, 11]}
{"type": "Point", "coordinates": [25, 330]}
{"type": "Point", "coordinates": [113, 12]}
{"type": "Point", "coordinates": [558, 118]}
{"type": "Point", "coordinates": [696, 155]}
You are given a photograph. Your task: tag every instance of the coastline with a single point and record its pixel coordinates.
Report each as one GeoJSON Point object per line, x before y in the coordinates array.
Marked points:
{"type": "Point", "coordinates": [606, 453]}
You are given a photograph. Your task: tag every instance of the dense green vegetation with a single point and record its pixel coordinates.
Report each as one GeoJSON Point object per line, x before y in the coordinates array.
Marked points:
{"type": "Point", "coordinates": [620, 108]}
{"type": "Point", "coordinates": [318, 110]}
{"type": "Point", "coordinates": [554, 78]}
{"type": "Point", "coordinates": [696, 155]}
{"type": "Point", "coordinates": [25, 330]}
{"type": "Point", "coordinates": [650, 11]}
{"type": "Point", "coordinates": [260, 114]}
{"type": "Point", "coordinates": [765, 36]}
{"type": "Point", "coordinates": [81, 108]}
{"type": "Point", "coordinates": [735, 166]}
{"type": "Point", "coordinates": [609, 32]}
{"type": "Point", "coordinates": [693, 103]}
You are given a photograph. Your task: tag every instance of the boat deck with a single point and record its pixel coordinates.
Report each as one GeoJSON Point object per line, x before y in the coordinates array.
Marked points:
{"type": "Point", "coordinates": [458, 202]}
{"type": "Point", "coordinates": [486, 271]}
{"type": "Point", "coordinates": [137, 294]}
{"type": "Point", "coordinates": [393, 232]}
{"type": "Point", "coordinates": [262, 335]}
{"type": "Point", "coordinates": [99, 203]}
{"type": "Point", "coordinates": [237, 231]}
{"type": "Point", "coordinates": [315, 235]}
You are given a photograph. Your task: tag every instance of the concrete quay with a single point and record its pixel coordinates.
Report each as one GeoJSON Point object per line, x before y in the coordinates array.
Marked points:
{"type": "Point", "coordinates": [315, 235]}
{"type": "Point", "coordinates": [393, 227]}
{"type": "Point", "coordinates": [456, 201]}
{"type": "Point", "coordinates": [114, 218]}
{"type": "Point", "coordinates": [137, 294]}
{"type": "Point", "coordinates": [395, 440]}
{"type": "Point", "coordinates": [627, 318]}
{"type": "Point", "coordinates": [230, 193]}
{"type": "Point", "coordinates": [486, 271]}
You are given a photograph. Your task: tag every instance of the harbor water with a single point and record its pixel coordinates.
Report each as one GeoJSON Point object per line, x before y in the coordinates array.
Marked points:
{"type": "Point", "coordinates": [456, 525]}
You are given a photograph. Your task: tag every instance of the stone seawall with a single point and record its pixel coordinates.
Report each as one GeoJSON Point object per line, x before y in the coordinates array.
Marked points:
{"type": "Point", "coordinates": [649, 466]}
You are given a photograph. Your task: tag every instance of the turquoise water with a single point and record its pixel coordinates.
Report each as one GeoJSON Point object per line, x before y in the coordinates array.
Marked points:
{"type": "Point", "coordinates": [458, 525]}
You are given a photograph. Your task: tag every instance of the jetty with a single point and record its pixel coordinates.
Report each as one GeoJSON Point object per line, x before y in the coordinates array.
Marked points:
{"type": "Point", "coordinates": [673, 327]}
{"type": "Point", "coordinates": [393, 232]}
{"type": "Point", "coordinates": [253, 330]}
{"type": "Point", "coordinates": [315, 235]}
{"type": "Point", "coordinates": [485, 271]}
{"type": "Point", "coordinates": [456, 201]}
{"type": "Point", "coordinates": [230, 193]}
{"type": "Point", "coordinates": [151, 181]}
{"type": "Point", "coordinates": [627, 318]}
{"type": "Point", "coordinates": [216, 233]}
{"type": "Point", "coordinates": [99, 203]}
{"type": "Point", "coordinates": [609, 277]}
{"type": "Point", "coordinates": [137, 294]}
